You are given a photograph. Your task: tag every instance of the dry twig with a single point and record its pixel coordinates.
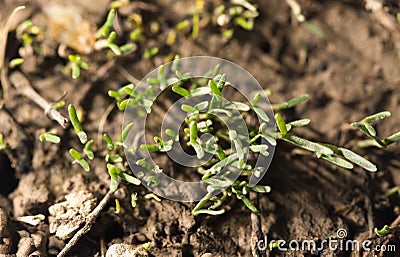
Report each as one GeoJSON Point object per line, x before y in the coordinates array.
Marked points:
{"type": "Point", "coordinates": [24, 88]}
{"type": "Point", "coordinates": [3, 43]}
{"type": "Point", "coordinates": [90, 219]}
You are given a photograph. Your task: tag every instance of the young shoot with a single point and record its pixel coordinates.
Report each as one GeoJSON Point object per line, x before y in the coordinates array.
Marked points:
{"type": "Point", "coordinates": [366, 126]}
{"type": "Point", "coordinates": [49, 137]}
{"type": "Point", "coordinates": [2, 144]}
{"type": "Point", "coordinates": [79, 159]}
{"type": "Point", "coordinates": [77, 63]}
{"type": "Point", "coordinates": [77, 124]}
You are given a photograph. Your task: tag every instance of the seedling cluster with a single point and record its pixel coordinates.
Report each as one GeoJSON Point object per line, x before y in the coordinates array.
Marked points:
{"type": "Point", "coordinates": [236, 12]}
{"type": "Point", "coordinates": [228, 146]}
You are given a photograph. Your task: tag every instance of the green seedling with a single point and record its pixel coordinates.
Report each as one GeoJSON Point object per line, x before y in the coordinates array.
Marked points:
{"type": "Point", "coordinates": [182, 25]}
{"type": "Point", "coordinates": [134, 200]}
{"type": "Point", "coordinates": [106, 31]}
{"type": "Point", "coordinates": [135, 98]}
{"type": "Point", "coordinates": [26, 31]}
{"type": "Point", "coordinates": [124, 135]}
{"type": "Point", "coordinates": [77, 63]}
{"type": "Point", "coordinates": [88, 149]}
{"type": "Point", "coordinates": [150, 52]}
{"type": "Point", "coordinates": [314, 29]}
{"type": "Point", "coordinates": [146, 246]}
{"type": "Point", "coordinates": [49, 137]}
{"type": "Point", "coordinates": [237, 12]}
{"type": "Point", "coordinates": [196, 18]}
{"type": "Point", "coordinates": [160, 145]}
{"type": "Point", "coordinates": [366, 126]}
{"type": "Point", "coordinates": [117, 206]}
{"type": "Point", "coordinates": [161, 79]}
{"type": "Point", "coordinates": [210, 115]}
{"type": "Point", "coordinates": [290, 103]}
{"type": "Point", "coordinates": [392, 191]}
{"type": "Point", "coordinates": [113, 158]}
{"type": "Point", "coordinates": [110, 144]}
{"type": "Point", "coordinates": [79, 159]}
{"type": "Point", "coordinates": [136, 35]}
{"type": "Point", "coordinates": [77, 124]}
{"type": "Point", "coordinates": [2, 144]}
{"type": "Point", "coordinates": [342, 157]}
{"type": "Point", "coordinates": [59, 105]}
{"type": "Point", "coordinates": [116, 172]}
{"type": "Point", "coordinates": [108, 25]}
{"type": "Point", "coordinates": [152, 196]}
{"type": "Point", "coordinates": [16, 62]}
{"type": "Point", "coordinates": [33, 220]}
{"type": "Point", "coordinates": [117, 50]}
{"type": "Point", "coordinates": [382, 232]}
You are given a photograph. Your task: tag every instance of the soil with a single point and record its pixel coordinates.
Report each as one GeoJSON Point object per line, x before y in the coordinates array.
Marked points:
{"type": "Point", "coordinates": [349, 72]}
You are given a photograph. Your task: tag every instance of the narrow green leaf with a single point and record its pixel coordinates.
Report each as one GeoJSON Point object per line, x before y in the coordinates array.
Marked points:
{"type": "Point", "coordinates": [198, 149]}
{"type": "Point", "coordinates": [125, 132]}
{"type": "Point", "coordinates": [84, 165]}
{"type": "Point", "coordinates": [134, 199]}
{"type": "Point", "coordinates": [109, 22]}
{"type": "Point", "coordinates": [377, 116]}
{"type": "Point", "coordinates": [208, 212]}
{"type": "Point", "coordinates": [130, 179]}
{"type": "Point", "coordinates": [281, 124]}
{"type": "Point", "coordinates": [214, 88]}
{"type": "Point", "coordinates": [392, 139]}
{"type": "Point", "coordinates": [237, 106]}
{"type": "Point", "coordinates": [113, 158]}
{"type": "Point", "coordinates": [261, 189]}
{"type": "Point", "coordinates": [263, 149]}
{"type": "Point", "coordinates": [338, 161]}
{"type": "Point", "coordinates": [291, 103]}
{"type": "Point", "coordinates": [308, 145]}
{"type": "Point", "coordinates": [76, 124]}
{"type": "Point", "coordinates": [180, 91]}
{"type": "Point", "coordinates": [152, 196]}
{"type": "Point", "coordinates": [2, 144]}
{"type": "Point", "coordinates": [75, 154]}
{"type": "Point", "coordinates": [200, 91]}
{"type": "Point", "coordinates": [250, 205]}
{"type": "Point", "coordinates": [221, 111]}
{"type": "Point", "coordinates": [202, 202]}
{"type": "Point", "coordinates": [87, 149]}
{"type": "Point", "coordinates": [298, 123]}
{"type": "Point", "coordinates": [187, 108]}
{"type": "Point", "coordinates": [112, 170]}
{"type": "Point", "coordinates": [256, 99]}
{"type": "Point", "coordinates": [153, 81]}
{"type": "Point", "coordinates": [218, 183]}
{"type": "Point", "coordinates": [46, 136]}
{"type": "Point", "coordinates": [201, 106]}
{"type": "Point", "coordinates": [110, 144]}
{"type": "Point", "coordinates": [221, 164]}
{"type": "Point", "coordinates": [149, 147]}
{"type": "Point", "coordinates": [359, 160]}
{"type": "Point", "coordinates": [260, 112]}
{"type": "Point", "coordinates": [114, 48]}
{"type": "Point", "coordinates": [370, 129]}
